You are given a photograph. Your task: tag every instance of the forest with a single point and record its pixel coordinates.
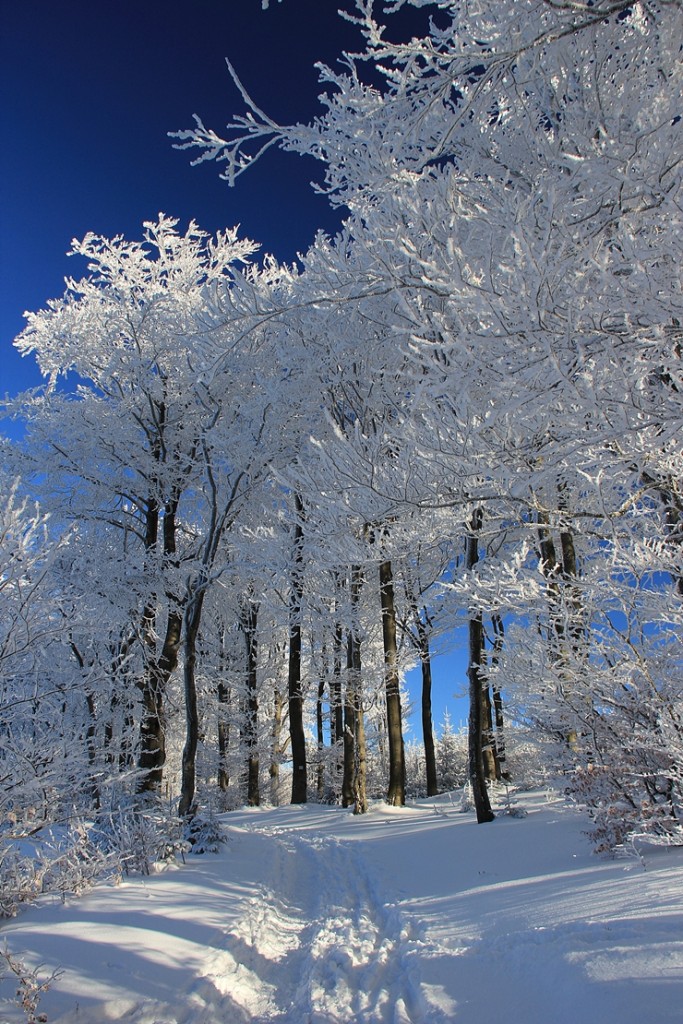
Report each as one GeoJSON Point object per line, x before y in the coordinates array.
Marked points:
{"type": "Point", "coordinates": [249, 496]}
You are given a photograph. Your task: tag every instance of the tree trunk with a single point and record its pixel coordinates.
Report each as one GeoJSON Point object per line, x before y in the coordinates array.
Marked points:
{"type": "Point", "coordinates": [550, 568]}
{"type": "Point", "coordinates": [426, 705]}
{"type": "Point", "coordinates": [360, 800]}
{"type": "Point", "coordinates": [223, 726]}
{"type": "Point", "coordinates": [223, 739]}
{"type": "Point", "coordinates": [558, 638]}
{"type": "Point", "coordinates": [248, 624]}
{"type": "Point", "coordinates": [490, 755]}
{"type": "Point", "coordinates": [320, 776]}
{"type": "Point", "coordinates": [152, 755]}
{"type": "Point", "coordinates": [354, 779]}
{"type": "Point", "coordinates": [337, 709]}
{"type": "Point", "coordinates": [397, 773]}
{"type": "Point", "coordinates": [336, 700]}
{"type": "Point", "coordinates": [296, 711]}
{"type": "Point", "coordinates": [193, 616]}
{"type": "Point", "coordinates": [276, 747]}
{"type": "Point", "coordinates": [349, 769]}
{"type": "Point", "coordinates": [499, 637]}
{"type": "Point", "coordinates": [475, 676]}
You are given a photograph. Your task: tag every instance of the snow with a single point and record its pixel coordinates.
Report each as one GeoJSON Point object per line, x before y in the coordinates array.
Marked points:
{"type": "Point", "coordinates": [310, 915]}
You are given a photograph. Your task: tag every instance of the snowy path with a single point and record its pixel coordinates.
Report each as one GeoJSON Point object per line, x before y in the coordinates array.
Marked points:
{"type": "Point", "coordinates": [319, 943]}
{"type": "Point", "coordinates": [404, 916]}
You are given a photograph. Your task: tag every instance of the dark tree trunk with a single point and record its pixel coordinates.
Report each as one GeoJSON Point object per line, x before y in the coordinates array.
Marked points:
{"type": "Point", "coordinates": [498, 640]}
{"type": "Point", "coordinates": [360, 802]}
{"type": "Point", "coordinates": [223, 726]}
{"type": "Point", "coordinates": [223, 738]}
{"type": "Point", "coordinates": [296, 703]}
{"type": "Point", "coordinates": [152, 754]}
{"type": "Point", "coordinates": [248, 624]}
{"type": "Point", "coordinates": [397, 773]}
{"type": "Point", "coordinates": [558, 575]}
{"type": "Point", "coordinates": [354, 776]}
{"type": "Point", "coordinates": [428, 728]}
{"type": "Point", "coordinates": [476, 684]}
{"type": "Point", "coordinates": [551, 568]}
{"type": "Point", "coordinates": [426, 705]}
{"type": "Point", "coordinates": [570, 573]}
{"type": "Point", "coordinates": [320, 737]}
{"type": "Point", "coordinates": [193, 616]}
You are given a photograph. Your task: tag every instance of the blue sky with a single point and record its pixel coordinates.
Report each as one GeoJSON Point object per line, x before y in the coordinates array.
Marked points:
{"type": "Point", "coordinates": [89, 92]}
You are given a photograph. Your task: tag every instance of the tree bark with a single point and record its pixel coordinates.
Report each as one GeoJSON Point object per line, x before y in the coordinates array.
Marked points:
{"type": "Point", "coordinates": [296, 713]}
{"type": "Point", "coordinates": [248, 624]}
{"type": "Point", "coordinates": [276, 746]}
{"type": "Point", "coordinates": [349, 769]}
{"type": "Point", "coordinates": [193, 616]}
{"type": "Point", "coordinates": [223, 779]}
{"type": "Point", "coordinates": [476, 681]}
{"type": "Point", "coordinates": [397, 773]}
{"type": "Point", "coordinates": [354, 776]}
{"type": "Point", "coordinates": [490, 754]}
{"type": "Point", "coordinates": [320, 737]}
{"type": "Point", "coordinates": [498, 640]}
{"type": "Point", "coordinates": [152, 754]}
{"type": "Point", "coordinates": [336, 700]}
{"type": "Point", "coordinates": [559, 575]}
{"type": "Point", "coordinates": [360, 802]}
{"type": "Point", "coordinates": [337, 707]}
{"type": "Point", "coordinates": [426, 704]}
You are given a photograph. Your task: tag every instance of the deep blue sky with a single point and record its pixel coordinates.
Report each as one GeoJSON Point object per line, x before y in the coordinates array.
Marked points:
{"type": "Point", "coordinates": [90, 89]}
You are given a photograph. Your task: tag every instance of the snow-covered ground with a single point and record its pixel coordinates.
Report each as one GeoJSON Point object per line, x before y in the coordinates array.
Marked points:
{"type": "Point", "coordinates": [310, 915]}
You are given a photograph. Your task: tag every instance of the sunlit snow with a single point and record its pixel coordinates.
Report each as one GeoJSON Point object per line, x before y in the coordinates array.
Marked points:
{"type": "Point", "coordinates": [310, 915]}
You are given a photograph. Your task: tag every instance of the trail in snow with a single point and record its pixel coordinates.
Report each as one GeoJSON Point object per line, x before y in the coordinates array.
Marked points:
{"type": "Point", "coordinates": [309, 915]}
{"type": "Point", "coordinates": [320, 942]}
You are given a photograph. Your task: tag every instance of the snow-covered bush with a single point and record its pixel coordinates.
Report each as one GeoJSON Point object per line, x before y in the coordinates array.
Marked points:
{"type": "Point", "coordinates": [56, 860]}
{"type": "Point", "coordinates": [204, 834]}
{"type": "Point", "coordinates": [30, 986]}
{"type": "Point", "coordinates": [20, 881]}
{"type": "Point", "coordinates": [594, 668]}
{"type": "Point", "coordinates": [451, 756]}
{"type": "Point", "coordinates": [73, 863]}
{"type": "Point", "coordinates": [141, 836]}
{"type": "Point", "coordinates": [416, 783]}
{"type": "Point", "coordinates": [627, 803]}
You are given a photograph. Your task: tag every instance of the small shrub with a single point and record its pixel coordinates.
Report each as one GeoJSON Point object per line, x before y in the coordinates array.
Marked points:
{"type": "Point", "coordinates": [20, 881]}
{"type": "Point", "coordinates": [204, 835]}
{"type": "Point", "coordinates": [140, 837]}
{"type": "Point", "coordinates": [30, 988]}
